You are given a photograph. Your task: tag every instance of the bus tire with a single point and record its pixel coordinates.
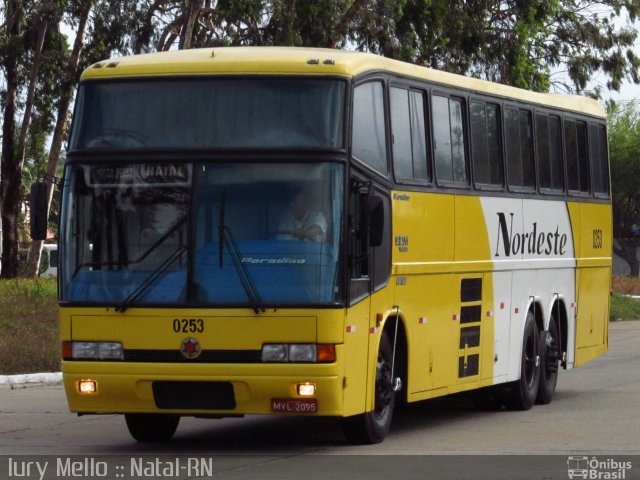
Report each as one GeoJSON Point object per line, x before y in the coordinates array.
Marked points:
{"type": "Point", "coordinates": [549, 357]}
{"type": "Point", "coordinates": [151, 427]}
{"type": "Point", "coordinates": [373, 427]}
{"type": "Point", "coordinates": [523, 392]}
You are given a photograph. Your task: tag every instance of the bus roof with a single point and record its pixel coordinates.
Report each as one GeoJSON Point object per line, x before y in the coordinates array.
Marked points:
{"type": "Point", "coordinates": [314, 61]}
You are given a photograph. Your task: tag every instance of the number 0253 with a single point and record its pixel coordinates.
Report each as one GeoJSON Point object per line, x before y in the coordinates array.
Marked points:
{"type": "Point", "coordinates": [188, 325]}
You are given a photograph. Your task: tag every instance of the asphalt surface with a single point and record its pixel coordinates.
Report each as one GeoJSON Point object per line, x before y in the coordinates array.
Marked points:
{"type": "Point", "coordinates": [594, 414]}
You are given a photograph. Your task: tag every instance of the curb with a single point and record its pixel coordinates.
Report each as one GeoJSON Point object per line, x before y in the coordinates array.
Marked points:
{"type": "Point", "coordinates": [12, 382]}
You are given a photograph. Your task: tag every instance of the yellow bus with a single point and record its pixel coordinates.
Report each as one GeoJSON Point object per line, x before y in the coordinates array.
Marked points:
{"type": "Point", "coordinates": [319, 232]}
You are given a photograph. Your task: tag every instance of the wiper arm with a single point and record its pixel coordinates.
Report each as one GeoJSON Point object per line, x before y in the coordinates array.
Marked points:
{"type": "Point", "coordinates": [149, 250]}
{"type": "Point", "coordinates": [153, 276]}
{"type": "Point", "coordinates": [225, 238]}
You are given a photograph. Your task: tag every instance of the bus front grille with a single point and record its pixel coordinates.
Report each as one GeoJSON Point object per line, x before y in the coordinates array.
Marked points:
{"type": "Point", "coordinates": [194, 395]}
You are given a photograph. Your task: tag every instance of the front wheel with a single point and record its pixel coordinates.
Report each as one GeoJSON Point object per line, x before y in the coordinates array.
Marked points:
{"type": "Point", "coordinates": [150, 427]}
{"type": "Point", "coordinates": [373, 427]}
{"type": "Point", "coordinates": [522, 393]}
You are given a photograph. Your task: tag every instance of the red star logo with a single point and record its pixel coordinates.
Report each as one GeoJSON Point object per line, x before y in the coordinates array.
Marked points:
{"type": "Point", "coordinates": [190, 348]}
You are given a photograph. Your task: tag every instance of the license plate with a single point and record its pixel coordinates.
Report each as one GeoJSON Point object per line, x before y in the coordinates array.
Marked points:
{"type": "Point", "coordinates": [294, 405]}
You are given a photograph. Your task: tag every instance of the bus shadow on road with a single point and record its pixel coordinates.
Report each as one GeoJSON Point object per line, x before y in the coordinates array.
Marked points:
{"type": "Point", "coordinates": [270, 435]}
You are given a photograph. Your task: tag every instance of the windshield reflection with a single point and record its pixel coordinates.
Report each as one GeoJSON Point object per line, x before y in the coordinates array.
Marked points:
{"type": "Point", "coordinates": [285, 221]}
{"type": "Point", "coordinates": [257, 235]}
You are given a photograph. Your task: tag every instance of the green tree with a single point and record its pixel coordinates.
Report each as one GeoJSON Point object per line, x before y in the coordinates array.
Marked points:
{"type": "Point", "coordinates": [100, 30]}
{"type": "Point", "coordinates": [26, 121]}
{"type": "Point", "coordinates": [11, 50]}
{"type": "Point", "coordinates": [512, 42]}
{"type": "Point", "coordinates": [624, 152]}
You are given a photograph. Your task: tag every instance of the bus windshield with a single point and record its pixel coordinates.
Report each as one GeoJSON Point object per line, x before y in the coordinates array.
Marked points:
{"type": "Point", "coordinates": [207, 113]}
{"type": "Point", "coordinates": [216, 234]}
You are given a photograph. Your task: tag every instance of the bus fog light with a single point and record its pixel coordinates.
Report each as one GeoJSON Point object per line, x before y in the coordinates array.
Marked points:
{"type": "Point", "coordinates": [87, 386]}
{"type": "Point", "coordinates": [306, 389]}
{"type": "Point", "coordinates": [274, 353]}
{"type": "Point", "coordinates": [302, 353]}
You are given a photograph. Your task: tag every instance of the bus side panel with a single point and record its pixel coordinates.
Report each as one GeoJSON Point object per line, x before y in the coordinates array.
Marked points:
{"type": "Point", "coordinates": [423, 230]}
{"type": "Point", "coordinates": [476, 295]}
{"type": "Point", "coordinates": [356, 344]}
{"type": "Point", "coordinates": [592, 235]}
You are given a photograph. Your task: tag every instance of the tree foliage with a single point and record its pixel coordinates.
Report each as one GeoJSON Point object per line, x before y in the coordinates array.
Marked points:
{"type": "Point", "coordinates": [535, 44]}
{"type": "Point", "coordinates": [624, 152]}
{"type": "Point", "coordinates": [518, 43]}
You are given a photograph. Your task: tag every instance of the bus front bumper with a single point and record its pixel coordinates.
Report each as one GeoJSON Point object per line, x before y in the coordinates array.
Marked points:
{"type": "Point", "coordinates": [203, 389]}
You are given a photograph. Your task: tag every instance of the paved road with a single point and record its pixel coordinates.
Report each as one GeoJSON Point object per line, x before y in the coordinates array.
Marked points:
{"type": "Point", "coordinates": [594, 413]}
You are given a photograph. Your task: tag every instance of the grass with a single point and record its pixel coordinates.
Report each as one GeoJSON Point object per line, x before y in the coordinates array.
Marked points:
{"type": "Point", "coordinates": [29, 326]}
{"type": "Point", "coordinates": [624, 308]}
{"type": "Point", "coordinates": [29, 321]}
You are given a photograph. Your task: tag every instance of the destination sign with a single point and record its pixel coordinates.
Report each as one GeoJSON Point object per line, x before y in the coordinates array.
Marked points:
{"type": "Point", "coordinates": [139, 175]}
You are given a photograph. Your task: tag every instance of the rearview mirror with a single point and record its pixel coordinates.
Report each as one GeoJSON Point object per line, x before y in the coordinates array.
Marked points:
{"type": "Point", "coordinates": [38, 215]}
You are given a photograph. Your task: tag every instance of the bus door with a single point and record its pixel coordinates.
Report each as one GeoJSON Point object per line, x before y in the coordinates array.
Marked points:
{"type": "Point", "coordinates": [369, 269]}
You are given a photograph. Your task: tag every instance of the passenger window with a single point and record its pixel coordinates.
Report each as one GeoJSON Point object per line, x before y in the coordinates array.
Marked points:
{"type": "Point", "coordinates": [369, 145]}
{"type": "Point", "coordinates": [485, 144]}
{"type": "Point", "coordinates": [575, 133]}
{"type": "Point", "coordinates": [408, 134]}
{"type": "Point", "coordinates": [549, 147]}
{"type": "Point", "coordinates": [599, 165]}
{"type": "Point", "coordinates": [448, 140]}
{"type": "Point", "coordinates": [519, 143]}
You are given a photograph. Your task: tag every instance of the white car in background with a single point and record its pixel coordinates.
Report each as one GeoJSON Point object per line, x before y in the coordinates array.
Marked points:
{"type": "Point", "coordinates": [49, 261]}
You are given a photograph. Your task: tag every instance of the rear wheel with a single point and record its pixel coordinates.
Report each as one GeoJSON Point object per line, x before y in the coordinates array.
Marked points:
{"type": "Point", "coordinates": [549, 358]}
{"type": "Point", "coordinates": [150, 427]}
{"type": "Point", "coordinates": [373, 427]}
{"type": "Point", "coordinates": [522, 393]}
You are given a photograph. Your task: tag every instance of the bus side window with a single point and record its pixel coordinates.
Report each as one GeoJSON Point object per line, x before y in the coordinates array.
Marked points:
{"type": "Point", "coordinates": [519, 141]}
{"type": "Point", "coordinates": [408, 133]}
{"type": "Point", "coordinates": [598, 151]}
{"type": "Point", "coordinates": [369, 143]}
{"type": "Point", "coordinates": [486, 145]}
{"type": "Point", "coordinates": [549, 147]}
{"type": "Point", "coordinates": [448, 140]}
{"type": "Point", "coordinates": [576, 153]}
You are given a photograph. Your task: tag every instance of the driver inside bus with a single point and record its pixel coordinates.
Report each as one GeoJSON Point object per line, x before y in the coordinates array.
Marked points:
{"type": "Point", "coordinates": [303, 220]}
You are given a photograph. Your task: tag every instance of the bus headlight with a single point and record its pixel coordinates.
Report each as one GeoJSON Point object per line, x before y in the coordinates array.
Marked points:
{"type": "Point", "coordinates": [92, 351]}
{"type": "Point", "coordinates": [275, 353]}
{"type": "Point", "coordinates": [298, 353]}
{"type": "Point", "coordinates": [302, 353]}
{"type": "Point", "coordinates": [110, 351]}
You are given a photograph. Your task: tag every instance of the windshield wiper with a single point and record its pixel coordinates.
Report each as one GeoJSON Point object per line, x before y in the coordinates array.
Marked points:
{"type": "Point", "coordinates": [149, 250]}
{"type": "Point", "coordinates": [225, 239]}
{"type": "Point", "coordinates": [153, 276]}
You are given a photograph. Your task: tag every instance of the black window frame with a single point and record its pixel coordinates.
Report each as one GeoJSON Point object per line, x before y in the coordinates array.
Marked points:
{"type": "Point", "coordinates": [519, 109]}
{"type": "Point", "coordinates": [464, 101]}
{"type": "Point", "coordinates": [576, 119]}
{"type": "Point", "coordinates": [603, 147]}
{"type": "Point", "coordinates": [411, 89]}
{"type": "Point", "coordinates": [484, 101]}
{"type": "Point", "coordinates": [562, 191]}
{"type": "Point", "coordinates": [387, 131]}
